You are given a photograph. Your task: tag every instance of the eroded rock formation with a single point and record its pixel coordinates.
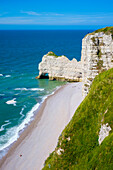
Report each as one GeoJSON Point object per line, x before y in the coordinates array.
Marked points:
{"type": "Point", "coordinates": [97, 56]}
{"type": "Point", "coordinates": [60, 68]}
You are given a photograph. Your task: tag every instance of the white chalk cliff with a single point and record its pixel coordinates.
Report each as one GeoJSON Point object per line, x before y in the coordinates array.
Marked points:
{"type": "Point", "coordinates": [97, 56]}
{"type": "Point", "coordinates": [60, 68]}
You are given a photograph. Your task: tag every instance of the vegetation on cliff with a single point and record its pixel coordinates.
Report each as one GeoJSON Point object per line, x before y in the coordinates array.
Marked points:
{"type": "Point", "coordinates": [50, 53]}
{"type": "Point", "coordinates": [78, 147]}
{"type": "Point", "coordinates": [106, 30]}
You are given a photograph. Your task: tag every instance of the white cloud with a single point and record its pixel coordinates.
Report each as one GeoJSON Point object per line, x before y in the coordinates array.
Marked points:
{"type": "Point", "coordinates": [4, 13]}
{"type": "Point", "coordinates": [30, 13]}
{"type": "Point", "coordinates": [54, 14]}
{"type": "Point", "coordinates": [15, 20]}
{"type": "Point", "coordinates": [58, 19]}
{"type": "Point", "coordinates": [43, 13]}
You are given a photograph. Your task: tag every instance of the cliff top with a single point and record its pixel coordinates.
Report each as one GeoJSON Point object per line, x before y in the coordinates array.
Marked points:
{"type": "Point", "coordinates": [51, 53]}
{"type": "Point", "coordinates": [106, 30]}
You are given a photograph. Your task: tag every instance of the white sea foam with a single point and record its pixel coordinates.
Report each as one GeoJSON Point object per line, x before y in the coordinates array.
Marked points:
{"type": "Point", "coordinates": [1, 75]}
{"type": "Point", "coordinates": [21, 112]}
{"type": "Point", "coordinates": [2, 94]}
{"type": "Point", "coordinates": [12, 134]}
{"type": "Point", "coordinates": [36, 89]}
{"type": "Point", "coordinates": [7, 122]}
{"type": "Point", "coordinates": [31, 89]}
{"type": "Point", "coordinates": [21, 89]}
{"type": "Point", "coordinates": [8, 76]}
{"type": "Point", "coordinates": [16, 94]}
{"type": "Point", "coordinates": [12, 102]}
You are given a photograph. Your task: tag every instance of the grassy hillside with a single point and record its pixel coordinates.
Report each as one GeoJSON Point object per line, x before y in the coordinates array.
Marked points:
{"type": "Point", "coordinates": [79, 140]}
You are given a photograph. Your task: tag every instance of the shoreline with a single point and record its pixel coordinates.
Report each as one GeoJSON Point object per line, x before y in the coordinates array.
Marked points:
{"type": "Point", "coordinates": [29, 127]}
{"type": "Point", "coordinates": [35, 112]}
{"type": "Point", "coordinates": [36, 125]}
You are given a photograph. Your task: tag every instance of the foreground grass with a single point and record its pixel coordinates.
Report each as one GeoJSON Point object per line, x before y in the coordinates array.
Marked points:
{"type": "Point", "coordinates": [79, 140]}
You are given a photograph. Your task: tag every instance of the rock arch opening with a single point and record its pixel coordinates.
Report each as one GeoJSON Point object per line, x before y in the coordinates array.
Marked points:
{"type": "Point", "coordinates": [44, 76]}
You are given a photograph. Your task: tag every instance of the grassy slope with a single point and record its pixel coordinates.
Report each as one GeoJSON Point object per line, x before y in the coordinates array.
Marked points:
{"type": "Point", "coordinates": [82, 151]}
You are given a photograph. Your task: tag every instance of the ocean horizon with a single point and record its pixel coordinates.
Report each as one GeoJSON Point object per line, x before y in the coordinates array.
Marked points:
{"type": "Point", "coordinates": [20, 93]}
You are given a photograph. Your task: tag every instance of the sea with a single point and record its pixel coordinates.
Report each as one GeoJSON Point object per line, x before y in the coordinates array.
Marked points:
{"type": "Point", "coordinates": [20, 93]}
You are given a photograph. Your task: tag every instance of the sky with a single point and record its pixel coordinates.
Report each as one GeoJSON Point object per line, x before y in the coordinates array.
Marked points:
{"type": "Point", "coordinates": [55, 14]}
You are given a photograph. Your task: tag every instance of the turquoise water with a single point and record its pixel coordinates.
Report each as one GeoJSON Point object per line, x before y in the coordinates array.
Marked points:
{"type": "Point", "coordinates": [20, 93]}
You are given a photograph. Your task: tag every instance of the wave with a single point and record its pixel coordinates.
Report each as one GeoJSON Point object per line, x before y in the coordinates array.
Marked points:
{"type": "Point", "coordinates": [21, 89]}
{"type": "Point", "coordinates": [16, 94]}
{"type": "Point", "coordinates": [5, 75]}
{"type": "Point", "coordinates": [36, 89]}
{"type": "Point", "coordinates": [7, 122]}
{"type": "Point", "coordinates": [12, 102]}
{"type": "Point", "coordinates": [21, 112]}
{"type": "Point", "coordinates": [8, 76]}
{"type": "Point", "coordinates": [31, 89]}
{"type": "Point", "coordinates": [1, 75]}
{"type": "Point", "coordinates": [12, 134]}
{"type": "Point", "coordinates": [2, 94]}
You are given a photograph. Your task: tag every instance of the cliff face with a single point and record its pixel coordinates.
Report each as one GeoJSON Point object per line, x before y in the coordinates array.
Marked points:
{"type": "Point", "coordinates": [97, 55]}
{"type": "Point", "coordinates": [60, 68]}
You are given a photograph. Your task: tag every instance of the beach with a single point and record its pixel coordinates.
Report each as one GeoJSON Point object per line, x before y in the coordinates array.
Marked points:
{"type": "Point", "coordinates": [40, 138]}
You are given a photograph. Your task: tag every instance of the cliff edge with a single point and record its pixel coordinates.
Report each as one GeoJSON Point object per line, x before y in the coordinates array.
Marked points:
{"type": "Point", "coordinates": [97, 55]}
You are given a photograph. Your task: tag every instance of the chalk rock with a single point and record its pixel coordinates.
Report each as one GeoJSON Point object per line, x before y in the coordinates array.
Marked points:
{"type": "Point", "coordinates": [60, 68]}
{"type": "Point", "coordinates": [59, 151]}
{"type": "Point", "coordinates": [104, 132]}
{"type": "Point", "coordinates": [97, 56]}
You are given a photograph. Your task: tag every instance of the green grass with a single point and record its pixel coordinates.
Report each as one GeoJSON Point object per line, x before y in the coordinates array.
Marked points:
{"type": "Point", "coordinates": [82, 151]}
{"type": "Point", "coordinates": [52, 54]}
{"type": "Point", "coordinates": [106, 30]}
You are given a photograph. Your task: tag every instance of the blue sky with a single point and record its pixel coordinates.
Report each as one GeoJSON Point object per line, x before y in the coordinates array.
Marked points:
{"type": "Point", "coordinates": [55, 14]}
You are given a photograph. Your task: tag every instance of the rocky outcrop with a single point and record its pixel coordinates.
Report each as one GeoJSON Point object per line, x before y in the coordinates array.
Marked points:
{"type": "Point", "coordinates": [97, 55]}
{"type": "Point", "coordinates": [60, 68]}
{"type": "Point", "coordinates": [104, 132]}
